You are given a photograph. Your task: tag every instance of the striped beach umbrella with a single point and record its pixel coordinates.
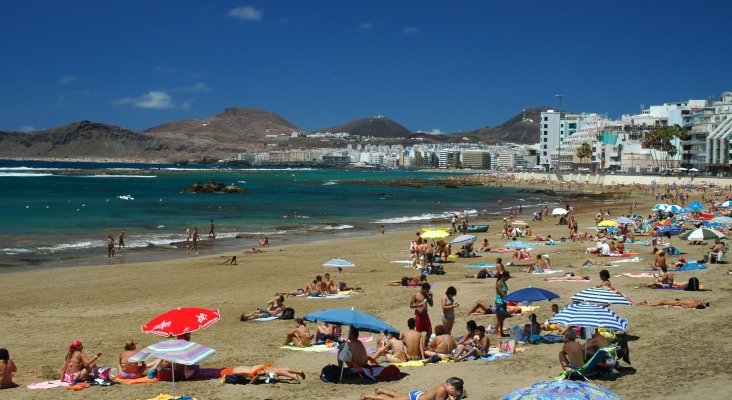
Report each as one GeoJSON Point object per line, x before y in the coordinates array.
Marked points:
{"type": "Point", "coordinates": [564, 390]}
{"type": "Point", "coordinates": [339, 263]}
{"type": "Point", "coordinates": [590, 315]}
{"type": "Point", "coordinates": [463, 239]}
{"type": "Point", "coordinates": [600, 295]}
{"type": "Point", "coordinates": [175, 351]}
{"type": "Point", "coordinates": [703, 234]}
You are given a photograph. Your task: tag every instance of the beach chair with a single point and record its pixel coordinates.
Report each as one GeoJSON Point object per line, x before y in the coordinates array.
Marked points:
{"type": "Point", "coordinates": [602, 363]}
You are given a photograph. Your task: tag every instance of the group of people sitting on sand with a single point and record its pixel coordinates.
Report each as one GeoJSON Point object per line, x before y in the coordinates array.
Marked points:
{"type": "Point", "coordinates": [319, 286]}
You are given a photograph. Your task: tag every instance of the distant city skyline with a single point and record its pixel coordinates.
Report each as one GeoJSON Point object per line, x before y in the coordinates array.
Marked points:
{"type": "Point", "coordinates": [432, 66]}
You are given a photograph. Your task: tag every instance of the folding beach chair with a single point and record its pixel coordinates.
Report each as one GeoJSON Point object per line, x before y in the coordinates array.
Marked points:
{"type": "Point", "coordinates": [602, 363]}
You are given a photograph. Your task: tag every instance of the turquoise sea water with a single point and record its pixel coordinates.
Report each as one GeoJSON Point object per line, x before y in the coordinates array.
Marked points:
{"type": "Point", "coordinates": [61, 213]}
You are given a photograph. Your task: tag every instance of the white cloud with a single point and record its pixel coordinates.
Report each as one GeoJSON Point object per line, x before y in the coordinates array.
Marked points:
{"type": "Point", "coordinates": [365, 26]}
{"type": "Point", "coordinates": [27, 128]}
{"type": "Point", "coordinates": [152, 100]}
{"type": "Point", "coordinates": [435, 131]}
{"type": "Point", "coordinates": [247, 13]}
{"type": "Point", "coordinates": [411, 30]}
{"type": "Point", "coordinates": [66, 80]}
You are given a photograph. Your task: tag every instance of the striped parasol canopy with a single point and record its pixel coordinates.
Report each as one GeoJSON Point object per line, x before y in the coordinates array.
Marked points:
{"type": "Point", "coordinates": [463, 239]}
{"type": "Point", "coordinates": [564, 390]}
{"type": "Point", "coordinates": [590, 315]}
{"type": "Point", "coordinates": [339, 263]}
{"type": "Point", "coordinates": [175, 351]}
{"type": "Point", "coordinates": [600, 295]}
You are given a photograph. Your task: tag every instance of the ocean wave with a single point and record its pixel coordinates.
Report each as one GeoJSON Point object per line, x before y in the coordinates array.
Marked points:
{"type": "Point", "coordinates": [14, 251]}
{"type": "Point", "coordinates": [414, 218]}
{"type": "Point", "coordinates": [23, 174]}
{"type": "Point", "coordinates": [337, 227]}
{"type": "Point", "coordinates": [330, 183]}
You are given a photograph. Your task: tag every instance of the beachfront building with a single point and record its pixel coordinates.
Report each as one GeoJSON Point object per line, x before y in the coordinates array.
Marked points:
{"type": "Point", "coordinates": [553, 128]}
{"type": "Point", "coordinates": [476, 159]}
{"type": "Point", "coordinates": [719, 122]}
{"type": "Point", "coordinates": [449, 158]}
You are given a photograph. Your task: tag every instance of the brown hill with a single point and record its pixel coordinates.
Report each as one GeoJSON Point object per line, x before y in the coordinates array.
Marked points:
{"type": "Point", "coordinates": [378, 126]}
{"type": "Point", "coordinates": [234, 129]}
{"type": "Point", "coordinates": [522, 128]}
{"type": "Point", "coordinates": [84, 140]}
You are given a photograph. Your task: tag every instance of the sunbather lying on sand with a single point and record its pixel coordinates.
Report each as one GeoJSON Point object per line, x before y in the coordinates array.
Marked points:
{"type": "Point", "coordinates": [267, 369]}
{"type": "Point", "coordinates": [452, 389]}
{"type": "Point", "coordinates": [688, 303]}
{"type": "Point", "coordinates": [409, 281]}
{"type": "Point", "coordinates": [568, 278]}
{"type": "Point", "coordinates": [274, 309]}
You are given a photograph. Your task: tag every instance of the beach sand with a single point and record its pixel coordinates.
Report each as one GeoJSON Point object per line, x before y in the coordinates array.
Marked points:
{"type": "Point", "coordinates": [679, 353]}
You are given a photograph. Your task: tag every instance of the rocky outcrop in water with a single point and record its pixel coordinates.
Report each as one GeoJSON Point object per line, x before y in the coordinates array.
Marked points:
{"type": "Point", "coordinates": [213, 187]}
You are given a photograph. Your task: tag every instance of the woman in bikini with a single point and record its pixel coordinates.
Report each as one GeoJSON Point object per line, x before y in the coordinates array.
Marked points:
{"type": "Point", "coordinates": [393, 349]}
{"type": "Point", "coordinates": [700, 304]}
{"type": "Point", "coordinates": [300, 336]}
{"type": "Point", "coordinates": [76, 365]}
{"type": "Point", "coordinates": [448, 309]}
{"type": "Point", "coordinates": [7, 370]}
{"type": "Point", "coordinates": [128, 369]}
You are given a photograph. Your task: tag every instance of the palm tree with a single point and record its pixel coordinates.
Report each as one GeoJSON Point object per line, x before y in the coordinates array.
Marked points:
{"type": "Point", "coordinates": [659, 139]}
{"type": "Point", "coordinates": [584, 151]}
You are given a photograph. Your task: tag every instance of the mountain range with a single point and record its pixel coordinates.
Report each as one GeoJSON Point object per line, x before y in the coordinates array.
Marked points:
{"type": "Point", "coordinates": [233, 131]}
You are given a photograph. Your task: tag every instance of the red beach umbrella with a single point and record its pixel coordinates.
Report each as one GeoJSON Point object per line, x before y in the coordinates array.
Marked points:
{"type": "Point", "coordinates": [181, 320]}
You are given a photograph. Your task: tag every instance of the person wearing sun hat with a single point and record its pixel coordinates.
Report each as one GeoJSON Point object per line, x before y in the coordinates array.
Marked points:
{"type": "Point", "coordinates": [77, 366]}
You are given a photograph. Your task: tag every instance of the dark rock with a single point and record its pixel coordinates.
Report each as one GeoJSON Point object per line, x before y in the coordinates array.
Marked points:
{"type": "Point", "coordinates": [213, 187]}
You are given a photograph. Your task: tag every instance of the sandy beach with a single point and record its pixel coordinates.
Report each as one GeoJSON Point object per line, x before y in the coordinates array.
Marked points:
{"type": "Point", "coordinates": [679, 353]}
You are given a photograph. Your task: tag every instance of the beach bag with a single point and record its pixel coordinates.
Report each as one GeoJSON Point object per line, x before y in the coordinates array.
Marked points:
{"type": "Point", "coordinates": [482, 274]}
{"type": "Point", "coordinates": [288, 313]}
{"type": "Point", "coordinates": [330, 373]}
{"type": "Point", "coordinates": [693, 284]}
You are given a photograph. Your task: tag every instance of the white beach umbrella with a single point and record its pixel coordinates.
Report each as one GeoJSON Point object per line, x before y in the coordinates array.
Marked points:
{"type": "Point", "coordinates": [559, 211]}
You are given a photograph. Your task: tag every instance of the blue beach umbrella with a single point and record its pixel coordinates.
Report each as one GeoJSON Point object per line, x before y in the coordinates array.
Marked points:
{"type": "Point", "coordinates": [530, 294]}
{"type": "Point", "coordinates": [727, 203]}
{"type": "Point", "coordinates": [721, 220]}
{"type": "Point", "coordinates": [517, 244]}
{"type": "Point", "coordinates": [696, 206]}
{"type": "Point", "coordinates": [590, 315]}
{"type": "Point", "coordinates": [562, 390]}
{"type": "Point", "coordinates": [354, 318]}
{"type": "Point", "coordinates": [671, 230]}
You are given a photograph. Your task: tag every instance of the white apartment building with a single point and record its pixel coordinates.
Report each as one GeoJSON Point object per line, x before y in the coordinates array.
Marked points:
{"type": "Point", "coordinates": [448, 158]}
{"type": "Point", "coordinates": [553, 128]}
{"type": "Point", "coordinates": [718, 139]}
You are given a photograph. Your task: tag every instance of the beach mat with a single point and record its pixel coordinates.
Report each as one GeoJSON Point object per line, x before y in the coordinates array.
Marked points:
{"type": "Point", "coordinates": [481, 265]}
{"type": "Point", "coordinates": [548, 272]}
{"type": "Point", "coordinates": [330, 296]}
{"type": "Point", "coordinates": [47, 385]}
{"type": "Point", "coordinates": [567, 280]}
{"type": "Point", "coordinates": [417, 363]}
{"type": "Point", "coordinates": [265, 319]}
{"type": "Point", "coordinates": [316, 348]}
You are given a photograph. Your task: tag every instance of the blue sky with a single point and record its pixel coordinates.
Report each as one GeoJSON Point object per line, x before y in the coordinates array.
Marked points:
{"type": "Point", "coordinates": [439, 66]}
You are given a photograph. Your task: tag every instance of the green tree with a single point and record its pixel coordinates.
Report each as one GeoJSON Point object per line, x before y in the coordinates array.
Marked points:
{"type": "Point", "coordinates": [659, 139]}
{"type": "Point", "coordinates": [584, 151]}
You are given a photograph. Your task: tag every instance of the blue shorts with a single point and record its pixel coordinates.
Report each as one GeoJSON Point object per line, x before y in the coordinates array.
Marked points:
{"type": "Point", "coordinates": [501, 309]}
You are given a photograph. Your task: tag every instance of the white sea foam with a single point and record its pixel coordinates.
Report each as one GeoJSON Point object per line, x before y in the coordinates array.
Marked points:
{"type": "Point", "coordinates": [414, 218]}
{"type": "Point", "coordinates": [337, 227]}
{"type": "Point", "coordinates": [330, 183]}
{"type": "Point", "coordinates": [23, 174]}
{"type": "Point", "coordinates": [242, 181]}
{"type": "Point", "coordinates": [14, 251]}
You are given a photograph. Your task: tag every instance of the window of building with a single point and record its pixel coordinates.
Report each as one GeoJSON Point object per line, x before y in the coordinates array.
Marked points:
{"type": "Point", "coordinates": [545, 147]}
{"type": "Point", "coordinates": [545, 140]}
{"type": "Point", "coordinates": [546, 126]}
{"type": "Point", "coordinates": [545, 153]}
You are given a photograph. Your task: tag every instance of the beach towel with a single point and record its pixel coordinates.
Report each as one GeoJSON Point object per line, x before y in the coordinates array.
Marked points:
{"type": "Point", "coordinates": [547, 271]}
{"type": "Point", "coordinates": [496, 356]}
{"type": "Point", "coordinates": [143, 379]}
{"type": "Point", "coordinates": [481, 265]}
{"type": "Point", "coordinates": [537, 338]}
{"type": "Point", "coordinates": [558, 279]}
{"type": "Point", "coordinates": [417, 363]}
{"type": "Point", "coordinates": [401, 262]}
{"type": "Point", "coordinates": [316, 348]}
{"type": "Point", "coordinates": [48, 384]}
{"type": "Point", "coordinates": [165, 396]}
{"type": "Point", "coordinates": [640, 274]}
{"type": "Point", "coordinates": [265, 319]}
{"type": "Point", "coordinates": [631, 254]}
{"type": "Point", "coordinates": [330, 296]}
{"type": "Point", "coordinates": [634, 259]}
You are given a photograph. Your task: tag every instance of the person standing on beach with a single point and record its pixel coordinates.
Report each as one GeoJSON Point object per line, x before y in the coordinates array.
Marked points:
{"type": "Point", "coordinates": [194, 248]}
{"type": "Point", "coordinates": [211, 233]}
{"type": "Point", "coordinates": [501, 306]}
{"type": "Point", "coordinates": [187, 232]}
{"type": "Point", "coordinates": [110, 246]}
{"type": "Point", "coordinates": [420, 302]}
{"type": "Point", "coordinates": [121, 241]}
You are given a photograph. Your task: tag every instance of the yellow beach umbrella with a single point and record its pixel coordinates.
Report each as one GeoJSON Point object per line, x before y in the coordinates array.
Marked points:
{"type": "Point", "coordinates": [607, 223]}
{"type": "Point", "coordinates": [435, 234]}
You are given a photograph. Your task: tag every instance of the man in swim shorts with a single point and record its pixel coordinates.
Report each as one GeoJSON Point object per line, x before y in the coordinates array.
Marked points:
{"type": "Point", "coordinates": [420, 302]}
{"type": "Point", "coordinates": [452, 389]}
